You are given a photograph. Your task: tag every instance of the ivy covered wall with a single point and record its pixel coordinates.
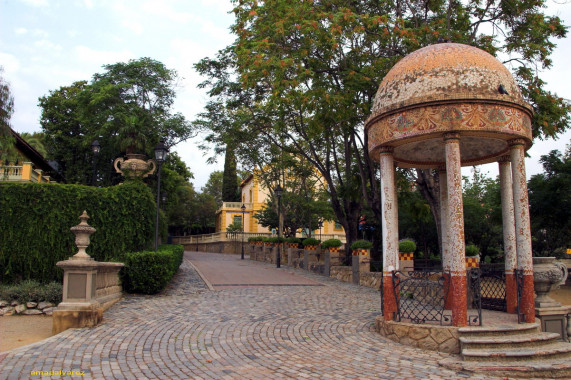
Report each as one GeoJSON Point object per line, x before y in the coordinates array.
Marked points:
{"type": "Point", "coordinates": [35, 222]}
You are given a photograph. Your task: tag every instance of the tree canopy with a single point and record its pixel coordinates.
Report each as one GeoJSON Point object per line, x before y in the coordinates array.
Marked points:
{"type": "Point", "coordinates": [127, 108]}
{"type": "Point", "coordinates": [301, 76]}
{"type": "Point", "coordinates": [6, 110]}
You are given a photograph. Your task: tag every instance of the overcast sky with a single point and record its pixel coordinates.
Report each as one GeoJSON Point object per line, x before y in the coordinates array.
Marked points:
{"type": "Point", "coordinates": [46, 44]}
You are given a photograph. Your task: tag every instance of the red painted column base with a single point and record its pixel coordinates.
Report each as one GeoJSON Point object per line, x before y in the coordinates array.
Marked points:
{"type": "Point", "coordinates": [527, 305]}
{"type": "Point", "coordinates": [447, 288]}
{"type": "Point", "coordinates": [458, 296]}
{"type": "Point", "coordinates": [511, 293]}
{"type": "Point", "coordinates": [389, 300]}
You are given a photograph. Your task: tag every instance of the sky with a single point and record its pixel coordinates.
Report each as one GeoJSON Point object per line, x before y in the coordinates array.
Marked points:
{"type": "Point", "coordinates": [46, 44]}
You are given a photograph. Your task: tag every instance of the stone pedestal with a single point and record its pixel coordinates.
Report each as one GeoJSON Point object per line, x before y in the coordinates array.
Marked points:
{"type": "Point", "coordinates": [360, 263]}
{"type": "Point", "coordinates": [554, 319]}
{"type": "Point", "coordinates": [406, 261]}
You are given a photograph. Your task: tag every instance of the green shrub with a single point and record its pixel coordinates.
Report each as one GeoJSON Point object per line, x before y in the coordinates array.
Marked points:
{"type": "Point", "coordinates": [36, 218]}
{"type": "Point", "coordinates": [361, 244]}
{"type": "Point", "coordinates": [32, 291]}
{"type": "Point", "coordinates": [310, 241]}
{"type": "Point", "coordinates": [252, 239]}
{"type": "Point", "coordinates": [488, 259]}
{"type": "Point", "coordinates": [472, 250]}
{"type": "Point", "coordinates": [264, 239]}
{"type": "Point", "coordinates": [293, 240]}
{"type": "Point", "coordinates": [407, 246]}
{"type": "Point", "coordinates": [331, 243]}
{"type": "Point", "coordinates": [148, 272]}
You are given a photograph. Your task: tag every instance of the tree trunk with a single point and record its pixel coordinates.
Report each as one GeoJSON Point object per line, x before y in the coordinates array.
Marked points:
{"type": "Point", "coordinates": [428, 182]}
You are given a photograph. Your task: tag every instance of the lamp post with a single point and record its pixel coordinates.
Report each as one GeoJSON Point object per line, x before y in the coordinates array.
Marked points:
{"type": "Point", "coordinates": [278, 190]}
{"type": "Point", "coordinates": [164, 198]}
{"type": "Point", "coordinates": [243, 208]}
{"type": "Point", "coordinates": [161, 152]}
{"type": "Point", "coordinates": [95, 148]}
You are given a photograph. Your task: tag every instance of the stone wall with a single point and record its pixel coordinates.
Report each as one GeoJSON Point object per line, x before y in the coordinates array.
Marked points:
{"type": "Point", "coordinates": [370, 279]}
{"type": "Point", "coordinates": [425, 336]}
{"type": "Point", "coordinates": [342, 273]}
{"type": "Point", "coordinates": [234, 247]}
{"type": "Point", "coordinates": [109, 289]}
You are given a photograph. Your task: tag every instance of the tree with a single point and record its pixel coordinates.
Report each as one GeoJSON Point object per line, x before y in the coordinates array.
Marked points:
{"type": "Point", "coordinates": [230, 190]}
{"type": "Point", "coordinates": [213, 186]}
{"type": "Point", "coordinates": [37, 141]}
{"type": "Point", "coordinates": [6, 110]}
{"type": "Point", "coordinates": [550, 205]}
{"type": "Point", "coordinates": [302, 75]}
{"type": "Point", "coordinates": [127, 108]}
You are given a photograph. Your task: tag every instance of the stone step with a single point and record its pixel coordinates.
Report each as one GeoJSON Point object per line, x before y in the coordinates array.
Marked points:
{"type": "Point", "coordinates": [508, 341]}
{"type": "Point", "coordinates": [550, 351]}
{"type": "Point", "coordinates": [499, 330]}
{"type": "Point", "coordinates": [547, 369]}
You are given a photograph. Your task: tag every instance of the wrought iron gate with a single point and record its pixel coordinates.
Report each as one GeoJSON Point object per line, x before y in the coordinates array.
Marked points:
{"type": "Point", "coordinates": [493, 287]}
{"type": "Point", "coordinates": [421, 296]}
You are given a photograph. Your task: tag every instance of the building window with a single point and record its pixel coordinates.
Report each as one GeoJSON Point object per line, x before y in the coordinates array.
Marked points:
{"type": "Point", "coordinates": [338, 226]}
{"type": "Point", "coordinates": [238, 220]}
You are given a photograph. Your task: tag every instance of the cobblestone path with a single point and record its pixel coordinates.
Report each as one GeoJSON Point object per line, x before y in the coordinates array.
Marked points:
{"type": "Point", "coordinates": [257, 332]}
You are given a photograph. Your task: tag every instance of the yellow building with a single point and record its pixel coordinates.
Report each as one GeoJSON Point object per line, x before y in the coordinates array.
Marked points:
{"type": "Point", "coordinates": [29, 166]}
{"type": "Point", "coordinates": [254, 194]}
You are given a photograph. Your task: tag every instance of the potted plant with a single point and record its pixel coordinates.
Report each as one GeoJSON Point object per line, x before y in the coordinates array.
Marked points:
{"type": "Point", "coordinates": [332, 245]}
{"type": "Point", "coordinates": [406, 249]}
{"type": "Point", "coordinates": [472, 256]}
{"type": "Point", "coordinates": [310, 244]}
{"type": "Point", "coordinates": [361, 247]}
{"type": "Point", "coordinates": [266, 241]}
{"type": "Point", "coordinates": [293, 242]}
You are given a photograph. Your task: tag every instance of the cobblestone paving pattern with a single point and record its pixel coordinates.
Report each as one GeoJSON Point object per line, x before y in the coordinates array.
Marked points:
{"type": "Point", "coordinates": [269, 332]}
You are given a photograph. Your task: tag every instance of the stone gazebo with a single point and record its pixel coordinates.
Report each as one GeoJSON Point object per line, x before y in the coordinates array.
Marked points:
{"type": "Point", "coordinates": [443, 107]}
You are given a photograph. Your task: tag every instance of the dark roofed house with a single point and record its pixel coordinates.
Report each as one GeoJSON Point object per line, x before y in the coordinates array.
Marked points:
{"type": "Point", "coordinates": [29, 166]}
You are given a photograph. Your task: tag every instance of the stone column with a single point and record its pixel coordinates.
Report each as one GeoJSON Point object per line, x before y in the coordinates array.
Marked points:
{"type": "Point", "coordinates": [390, 230]}
{"type": "Point", "coordinates": [444, 232]}
{"type": "Point", "coordinates": [522, 227]}
{"type": "Point", "coordinates": [508, 223]}
{"type": "Point", "coordinates": [455, 239]}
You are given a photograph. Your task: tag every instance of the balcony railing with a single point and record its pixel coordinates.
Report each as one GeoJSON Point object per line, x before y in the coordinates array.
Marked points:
{"type": "Point", "coordinates": [23, 173]}
{"type": "Point", "coordinates": [237, 236]}
{"type": "Point", "coordinates": [234, 205]}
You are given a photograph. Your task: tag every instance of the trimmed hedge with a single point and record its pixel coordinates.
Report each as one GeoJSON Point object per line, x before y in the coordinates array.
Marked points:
{"type": "Point", "coordinates": [276, 240]}
{"type": "Point", "coordinates": [331, 243]}
{"type": "Point", "coordinates": [361, 244]}
{"type": "Point", "coordinates": [472, 250]}
{"type": "Point", "coordinates": [32, 291]}
{"type": "Point", "coordinates": [407, 246]}
{"type": "Point", "coordinates": [148, 272]}
{"type": "Point", "coordinates": [293, 240]}
{"type": "Point", "coordinates": [255, 238]}
{"type": "Point", "coordinates": [36, 218]}
{"type": "Point", "coordinates": [310, 241]}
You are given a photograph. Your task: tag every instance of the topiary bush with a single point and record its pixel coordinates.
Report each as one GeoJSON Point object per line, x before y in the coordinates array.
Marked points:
{"type": "Point", "coordinates": [148, 272]}
{"type": "Point", "coordinates": [407, 246]}
{"type": "Point", "coordinates": [36, 218]}
{"type": "Point", "coordinates": [472, 250]}
{"type": "Point", "coordinates": [361, 244]}
{"type": "Point", "coordinates": [331, 243]}
{"type": "Point", "coordinates": [311, 241]}
{"type": "Point", "coordinates": [293, 240]}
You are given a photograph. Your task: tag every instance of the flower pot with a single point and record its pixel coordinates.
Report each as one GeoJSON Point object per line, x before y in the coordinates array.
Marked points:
{"type": "Point", "coordinates": [548, 274]}
{"type": "Point", "coordinates": [472, 262]}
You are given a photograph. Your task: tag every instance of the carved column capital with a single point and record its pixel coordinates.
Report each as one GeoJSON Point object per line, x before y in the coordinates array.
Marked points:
{"type": "Point", "coordinates": [516, 142]}
{"type": "Point", "coordinates": [386, 149]}
{"type": "Point", "coordinates": [451, 136]}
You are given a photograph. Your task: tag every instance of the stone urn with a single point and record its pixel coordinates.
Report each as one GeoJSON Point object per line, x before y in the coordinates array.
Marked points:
{"type": "Point", "coordinates": [548, 274]}
{"type": "Point", "coordinates": [82, 233]}
{"type": "Point", "coordinates": [134, 166]}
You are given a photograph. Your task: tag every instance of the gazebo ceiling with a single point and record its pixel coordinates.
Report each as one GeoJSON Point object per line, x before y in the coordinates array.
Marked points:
{"type": "Point", "coordinates": [442, 88]}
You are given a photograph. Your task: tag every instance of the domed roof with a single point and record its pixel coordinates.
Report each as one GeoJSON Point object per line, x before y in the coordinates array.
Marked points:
{"type": "Point", "coordinates": [444, 72]}
{"type": "Point", "coordinates": [448, 88]}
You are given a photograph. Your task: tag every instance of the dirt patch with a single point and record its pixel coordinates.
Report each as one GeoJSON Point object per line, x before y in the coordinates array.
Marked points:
{"type": "Point", "coordinates": [17, 331]}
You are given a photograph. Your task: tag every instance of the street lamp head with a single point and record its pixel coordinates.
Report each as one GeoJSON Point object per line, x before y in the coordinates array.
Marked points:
{"type": "Point", "coordinates": [161, 152]}
{"type": "Point", "coordinates": [243, 208]}
{"type": "Point", "coordinates": [95, 147]}
{"type": "Point", "coordinates": [164, 196]}
{"type": "Point", "coordinates": [278, 190]}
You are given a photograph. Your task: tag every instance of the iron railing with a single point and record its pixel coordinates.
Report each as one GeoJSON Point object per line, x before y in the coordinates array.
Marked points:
{"type": "Point", "coordinates": [519, 285]}
{"type": "Point", "coordinates": [421, 296]}
{"type": "Point", "coordinates": [474, 287]}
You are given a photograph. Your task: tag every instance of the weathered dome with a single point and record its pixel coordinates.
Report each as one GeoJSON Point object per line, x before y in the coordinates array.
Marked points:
{"type": "Point", "coordinates": [445, 88]}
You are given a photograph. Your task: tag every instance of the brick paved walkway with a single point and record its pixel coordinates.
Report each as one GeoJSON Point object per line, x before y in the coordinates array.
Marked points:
{"type": "Point", "coordinates": [255, 332]}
